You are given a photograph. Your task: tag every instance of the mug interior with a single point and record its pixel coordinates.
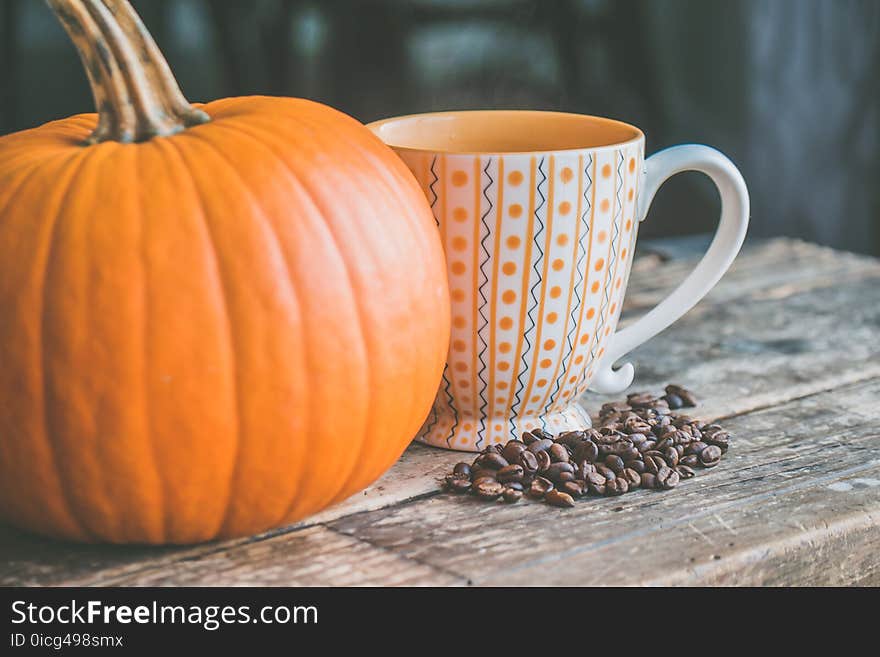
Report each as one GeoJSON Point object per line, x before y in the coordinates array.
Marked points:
{"type": "Point", "coordinates": [502, 131]}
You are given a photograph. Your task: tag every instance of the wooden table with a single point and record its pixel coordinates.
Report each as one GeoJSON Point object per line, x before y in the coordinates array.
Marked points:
{"type": "Point", "coordinates": [786, 351]}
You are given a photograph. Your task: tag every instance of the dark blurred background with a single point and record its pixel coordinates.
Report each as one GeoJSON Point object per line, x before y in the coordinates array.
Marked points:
{"type": "Point", "coordinates": [789, 89]}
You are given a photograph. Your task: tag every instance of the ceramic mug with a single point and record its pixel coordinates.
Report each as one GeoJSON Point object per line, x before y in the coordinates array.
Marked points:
{"type": "Point", "coordinates": [538, 213]}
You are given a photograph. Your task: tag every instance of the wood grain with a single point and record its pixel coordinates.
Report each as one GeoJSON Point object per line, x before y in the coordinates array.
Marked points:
{"type": "Point", "coordinates": [793, 329]}
{"type": "Point", "coordinates": [768, 269]}
{"type": "Point", "coordinates": [314, 556]}
{"type": "Point", "coordinates": [767, 347]}
{"type": "Point", "coordinates": [771, 490]}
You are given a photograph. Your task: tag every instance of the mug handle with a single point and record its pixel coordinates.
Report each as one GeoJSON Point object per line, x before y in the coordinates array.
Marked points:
{"type": "Point", "coordinates": [723, 249]}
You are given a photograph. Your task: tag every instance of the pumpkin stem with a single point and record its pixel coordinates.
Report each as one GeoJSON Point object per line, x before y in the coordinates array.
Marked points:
{"type": "Point", "coordinates": [135, 93]}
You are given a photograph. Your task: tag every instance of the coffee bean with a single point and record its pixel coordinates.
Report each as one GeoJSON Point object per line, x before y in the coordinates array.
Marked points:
{"type": "Point", "coordinates": [682, 420]}
{"type": "Point", "coordinates": [616, 487]}
{"type": "Point", "coordinates": [667, 478]}
{"type": "Point", "coordinates": [558, 453]}
{"type": "Point", "coordinates": [558, 498]}
{"type": "Point", "coordinates": [607, 434]}
{"type": "Point", "coordinates": [513, 472]}
{"type": "Point", "coordinates": [671, 481]}
{"type": "Point", "coordinates": [670, 455]}
{"type": "Point", "coordinates": [686, 396]}
{"type": "Point", "coordinates": [636, 425]}
{"type": "Point", "coordinates": [573, 488]}
{"type": "Point", "coordinates": [457, 484]}
{"type": "Point", "coordinates": [542, 434]}
{"type": "Point", "coordinates": [555, 469]}
{"type": "Point", "coordinates": [528, 461]}
{"type": "Point", "coordinates": [492, 461]}
{"type": "Point", "coordinates": [476, 473]}
{"type": "Point", "coordinates": [483, 480]}
{"type": "Point", "coordinates": [721, 442]}
{"type": "Point", "coordinates": [649, 480]}
{"type": "Point", "coordinates": [659, 406]}
{"type": "Point", "coordinates": [715, 435]}
{"type": "Point", "coordinates": [639, 398]}
{"type": "Point", "coordinates": [653, 464]}
{"type": "Point", "coordinates": [685, 472]}
{"type": "Point", "coordinates": [606, 472]}
{"type": "Point", "coordinates": [512, 495]}
{"type": "Point", "coordinates": [632, 477]}
{"type": "Point", "coordinates": [586, 450]}
{"type": "Point", "coordinates": [675, 402]}
{"type": "Point", "coordinates": [512, 450]}
{"type": "Point", "coordinates": [695, 447]}
{"type": "Point", "coordinates": [488, 490]}
{"type": "Point", "coordinates": [710, 456]}
{"type": "Point", "coordinates": [614, 462]}
{"type": "Point", "coordinates": [540, 487]}
{"type": "Point", "coordinates": [462, 469]}
{"type": "Point", "coordinates": [541, 445]}
{"type": "Point", "coordinates": [571, 438]}
{"type": "Point", "coordinates": [689, 460]}
{"type": "Point", "coordinates": [638, 465]}
{"type": "Point", "coordinates": [543, 459]}
{"type": "Point", "coordinates": [637, 438]}
{"type": "Point", "coordinates": [663, 473]}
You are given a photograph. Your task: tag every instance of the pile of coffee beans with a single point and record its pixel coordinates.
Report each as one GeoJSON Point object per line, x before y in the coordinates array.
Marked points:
{"type": "Point", "coordinates": [639, 443]}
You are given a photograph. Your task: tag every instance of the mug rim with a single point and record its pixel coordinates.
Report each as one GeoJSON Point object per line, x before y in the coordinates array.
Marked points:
{"type": "Point", "coordinates": [637, 137]}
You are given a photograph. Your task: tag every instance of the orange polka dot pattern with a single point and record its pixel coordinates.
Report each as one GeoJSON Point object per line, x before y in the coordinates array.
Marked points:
{"type": "Point", "coordinates": [538, 250]}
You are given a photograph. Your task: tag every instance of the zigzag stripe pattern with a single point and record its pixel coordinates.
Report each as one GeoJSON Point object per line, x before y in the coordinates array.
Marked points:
{"type": "Point", "coordinates": [435, 415]}
{"type": "Point", "coordinates": [432, 420]}
{"type": "Point", "coordinates": [536, 266]}
{"type": "Point", "coordinates": [582, 254]}
{"type": "Point", "coordinates": [432, 190]}
{"type": "Point", "coordinates": [484, 302]}
{"type": "Point", "coordinates": [612, 258]}
{"type": "Point", "coordinates": [447, 383]}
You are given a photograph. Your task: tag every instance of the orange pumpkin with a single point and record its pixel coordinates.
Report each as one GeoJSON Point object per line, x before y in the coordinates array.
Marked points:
{"type": "Point", "coordinates": [212, 321]}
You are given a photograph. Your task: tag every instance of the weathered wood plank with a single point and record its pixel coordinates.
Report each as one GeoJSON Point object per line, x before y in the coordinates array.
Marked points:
{"type": "Point", "coordinates": [799, 539]}
{"type": "Point", "coordinates": [738, 542]}
{"type": "Point", "coordinates": [314, 556]}
{"type": "Point", "coordinates": [777, 489]}
{"type": "Point", "coordinates": [795, 344]}
{"type": "Point", "coordinates": [758, 351]}
{"type": "Point", "coordinates": [768, 269]}
{"type": "Point", "coordinates": [28, 560]}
